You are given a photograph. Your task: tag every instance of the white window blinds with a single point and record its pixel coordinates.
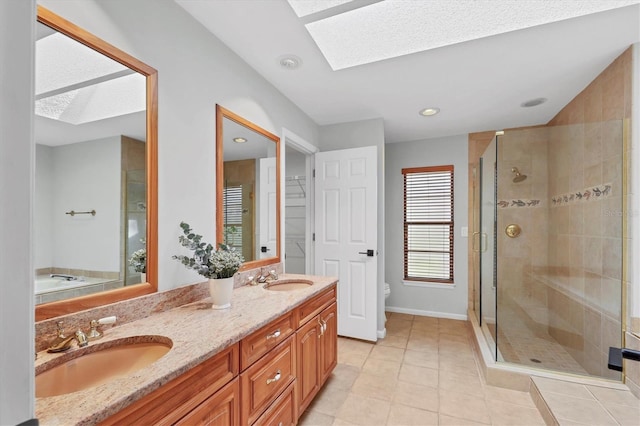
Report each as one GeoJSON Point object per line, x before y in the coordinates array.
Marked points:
{"type": "Point", "coordinates": [428, 224]}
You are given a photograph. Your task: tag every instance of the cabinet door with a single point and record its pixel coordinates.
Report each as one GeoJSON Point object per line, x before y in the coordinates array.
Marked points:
{"type": "Point", "coordinates": [329, 341]}
{"type": "Point", "coordinates": [308, 344]}
{"type": "Point", "coordinates": [220, 409]}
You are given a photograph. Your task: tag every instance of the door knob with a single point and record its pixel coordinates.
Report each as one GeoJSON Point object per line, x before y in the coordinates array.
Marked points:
{"type": "Point", "coordinates": [368, 253]}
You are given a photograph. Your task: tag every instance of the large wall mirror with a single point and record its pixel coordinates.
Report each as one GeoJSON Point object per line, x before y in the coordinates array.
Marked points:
{"type": "Point", "coordinates": [95, 206]}
{"type": "Point", "coordinates": [247, 189]}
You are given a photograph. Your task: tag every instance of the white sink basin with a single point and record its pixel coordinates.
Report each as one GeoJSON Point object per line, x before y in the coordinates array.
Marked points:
{"type": "Point", "coordinates": [288, 284]}
{"type": "Point", "coordinates": [95, 367]}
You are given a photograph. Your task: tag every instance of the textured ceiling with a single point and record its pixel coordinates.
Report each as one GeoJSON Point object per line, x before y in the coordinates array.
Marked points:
{"type": "Point", "coordinates": [478, 84]}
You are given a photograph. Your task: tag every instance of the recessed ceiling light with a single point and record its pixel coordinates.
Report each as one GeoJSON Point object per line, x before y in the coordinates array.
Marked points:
{"type": "Point", "coordinates": [500, 133]}
{"type": "Point", "coordinates": [290, 62]}
{"type": "Point", "coordinates": [239, 140]}
{"type": "Point", "coordinates": [533, 102]}
{"type": "Point", "coordinates": [428, 112]}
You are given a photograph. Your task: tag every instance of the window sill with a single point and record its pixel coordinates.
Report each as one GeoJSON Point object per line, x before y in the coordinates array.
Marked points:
{"type": "Point", "coordinates": [428, 284]}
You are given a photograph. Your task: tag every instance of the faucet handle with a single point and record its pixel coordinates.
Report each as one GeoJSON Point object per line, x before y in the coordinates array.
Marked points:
{"type": "Point", "coordinates": [94, 333]}
{"type": "Point", "coordinates": [60, 329]}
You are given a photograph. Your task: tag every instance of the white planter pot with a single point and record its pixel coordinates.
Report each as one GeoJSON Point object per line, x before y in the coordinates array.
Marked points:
{"type": "Point", "coordinates": [221, 290]}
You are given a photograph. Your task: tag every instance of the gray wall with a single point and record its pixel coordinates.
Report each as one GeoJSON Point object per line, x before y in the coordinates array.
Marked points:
{"type": "Point", "coordinates": [195, 71]}
{"type": "Point", "coordinates": [17, 27]}
{"type": "Point", "coordinates": [359, 134]}
{"type": "Point", "coordinates": [434, 300]}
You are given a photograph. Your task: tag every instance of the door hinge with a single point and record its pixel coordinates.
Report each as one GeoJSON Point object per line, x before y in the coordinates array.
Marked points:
{"type": "Point", "coordinates": [313, 174]}
{"type": "Point", "coordinates": [313, 237]}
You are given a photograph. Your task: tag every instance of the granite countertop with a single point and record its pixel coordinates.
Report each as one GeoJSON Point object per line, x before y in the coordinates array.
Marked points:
{"type": "Point", "coordinates": [197, 333]}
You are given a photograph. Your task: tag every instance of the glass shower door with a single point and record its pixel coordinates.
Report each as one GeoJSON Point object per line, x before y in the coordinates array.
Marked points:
{"type": "Point", "coordinates": [485, 243]}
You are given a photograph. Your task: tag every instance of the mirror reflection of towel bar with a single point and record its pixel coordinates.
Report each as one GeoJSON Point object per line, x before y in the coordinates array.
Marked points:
{"type": "Point", "coordinates": [73, 213]}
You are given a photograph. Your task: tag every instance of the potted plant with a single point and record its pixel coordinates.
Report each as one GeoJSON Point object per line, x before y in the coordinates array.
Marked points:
{"type": "Point", "coordinates": [138, 261]}
{"type": "Point", "coordinates": [219, 266]}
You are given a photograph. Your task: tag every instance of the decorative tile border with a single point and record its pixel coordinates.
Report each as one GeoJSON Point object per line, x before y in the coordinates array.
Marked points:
{"type": "Point", "coordinates": [589, 194]}
{"type": "Point", "coordinates": [515, 203]}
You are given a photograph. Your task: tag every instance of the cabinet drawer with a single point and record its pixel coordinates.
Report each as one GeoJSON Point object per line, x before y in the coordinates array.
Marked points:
{"type": "Point", "coordinates": [262, 341]}
{"type": "Point", "coordinates": [220, 409]}
{"type": "Point", "coordinates": [314, 306]}
{"type": "Point", "coordinates": [262, 382]}
{"type": "Point", "coordinates": [282, 412]}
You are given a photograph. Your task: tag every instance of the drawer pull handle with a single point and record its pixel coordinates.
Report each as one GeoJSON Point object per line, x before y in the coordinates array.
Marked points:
{"type": "Point", "coordinates": [280, 424]}
{"type": "Point", "coordinates": [275, 378]}
{"type": "Point", "coordinates": [274, 335]}
{"type": "Point", "coordinates": [321, 328]}
{"type": "Point", "coordinates": [324, 326]}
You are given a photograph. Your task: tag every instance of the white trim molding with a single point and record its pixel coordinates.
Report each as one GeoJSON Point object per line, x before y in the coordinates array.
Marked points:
{"type": "Point", "coordinates": [422, 313]}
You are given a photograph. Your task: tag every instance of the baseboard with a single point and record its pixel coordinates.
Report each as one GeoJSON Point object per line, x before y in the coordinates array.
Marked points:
{"type": "Point", "coordinates": [422, 313]}
{"type": "Point", "coordinates": [382, 333]}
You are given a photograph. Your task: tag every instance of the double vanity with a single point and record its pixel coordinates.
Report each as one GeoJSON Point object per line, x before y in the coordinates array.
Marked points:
{"type": "Point", "coordinates": [260, 362]}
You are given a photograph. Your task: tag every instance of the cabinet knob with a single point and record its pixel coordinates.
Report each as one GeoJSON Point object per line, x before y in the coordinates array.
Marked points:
{"type": "Point", "coordinates": [275, 378]}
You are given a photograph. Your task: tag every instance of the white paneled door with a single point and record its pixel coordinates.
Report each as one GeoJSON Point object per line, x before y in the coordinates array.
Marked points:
{"type": "Point", "coordinates": [346, 198]}
{"type": "Point", "coordinates": [266, 210]}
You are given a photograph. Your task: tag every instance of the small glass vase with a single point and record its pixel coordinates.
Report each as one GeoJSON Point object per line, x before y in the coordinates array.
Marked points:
{"type": "Point", "coordinates": [221, 290]}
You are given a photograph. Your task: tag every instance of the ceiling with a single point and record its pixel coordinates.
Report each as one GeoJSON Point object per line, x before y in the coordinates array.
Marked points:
{"type": "Point", "coordinates": [478, 84]}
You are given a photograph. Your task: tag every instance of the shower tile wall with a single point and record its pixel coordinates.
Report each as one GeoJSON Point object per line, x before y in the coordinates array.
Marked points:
{"type": "Point", "coordinates": [585, 244]}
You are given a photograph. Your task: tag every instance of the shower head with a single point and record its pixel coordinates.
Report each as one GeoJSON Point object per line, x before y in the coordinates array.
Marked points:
{"type": "Point", "coordinates": [519, 176]}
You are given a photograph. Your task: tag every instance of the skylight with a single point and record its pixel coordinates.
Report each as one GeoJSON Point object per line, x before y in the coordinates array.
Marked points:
{"type": "Point", "coordinates": [77, 85]}
{"type": "Point", "coordinates": [393, 28]}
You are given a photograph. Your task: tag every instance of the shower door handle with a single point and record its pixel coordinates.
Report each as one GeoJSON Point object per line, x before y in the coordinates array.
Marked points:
{"type": "Point", "coordinates": [483, 248]}
{"type": "Point", "coordinates": [473, 241]}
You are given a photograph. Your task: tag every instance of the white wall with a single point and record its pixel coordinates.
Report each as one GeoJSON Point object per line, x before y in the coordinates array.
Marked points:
{"type": "Point", "coordinates": [17, 29]}
{"type": "Point", "coordinates": [87, 176]}
{"type": "Point", "coordinates": [354, 135]}
{"type": "Point", "coordinates": [437, 300]}
{"type": "Point", "coordinates": [82, 177]}
{"type": "Point", "coordinates": [195, 71]}
{"type": "Point", "coordinates": [43, 208]}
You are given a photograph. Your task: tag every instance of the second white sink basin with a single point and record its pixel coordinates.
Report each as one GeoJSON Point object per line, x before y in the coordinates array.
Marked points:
{"type": "Point", "coordinates": [288, 284]}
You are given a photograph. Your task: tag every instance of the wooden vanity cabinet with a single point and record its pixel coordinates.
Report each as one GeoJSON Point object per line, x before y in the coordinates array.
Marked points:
{"type": "Point", "coordinates": [268, 378]}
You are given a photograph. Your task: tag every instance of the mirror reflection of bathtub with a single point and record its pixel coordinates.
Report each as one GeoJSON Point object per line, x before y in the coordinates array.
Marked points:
{"type": "Point", "coordinates": [50, 289]}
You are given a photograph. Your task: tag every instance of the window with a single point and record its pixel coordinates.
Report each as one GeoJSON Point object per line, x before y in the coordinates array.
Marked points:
{"type": "Point", "coordinates": [232, 205]}
{"type": "Point", "coordinates": [428, 224]}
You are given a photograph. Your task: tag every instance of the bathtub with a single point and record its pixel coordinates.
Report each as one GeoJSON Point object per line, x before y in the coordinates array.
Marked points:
{"type": "Point", "coordinates": [44, 284]}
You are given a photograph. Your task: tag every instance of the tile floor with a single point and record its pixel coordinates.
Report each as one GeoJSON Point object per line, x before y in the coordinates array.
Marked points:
{"type": "Point", "coordinates": [423, 373]}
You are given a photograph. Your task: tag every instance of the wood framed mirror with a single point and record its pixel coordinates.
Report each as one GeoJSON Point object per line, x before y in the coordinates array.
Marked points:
{"type": "Point", "coordinates": [247, 189]}
{"type": "Point", "coordinates": [106, 102]}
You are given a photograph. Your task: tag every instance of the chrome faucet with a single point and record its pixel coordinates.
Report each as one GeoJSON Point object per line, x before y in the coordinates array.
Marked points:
{"type": "Point", "coordinates": [271, 276]}
{"type": "Point", "coordinates": [65, 276]}
{"type": "Point", "coordinates": [62, 343]}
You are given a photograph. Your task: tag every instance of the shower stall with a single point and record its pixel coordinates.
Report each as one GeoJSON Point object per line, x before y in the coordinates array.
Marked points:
{"type": "Point", "coordinates": [548, 250]}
